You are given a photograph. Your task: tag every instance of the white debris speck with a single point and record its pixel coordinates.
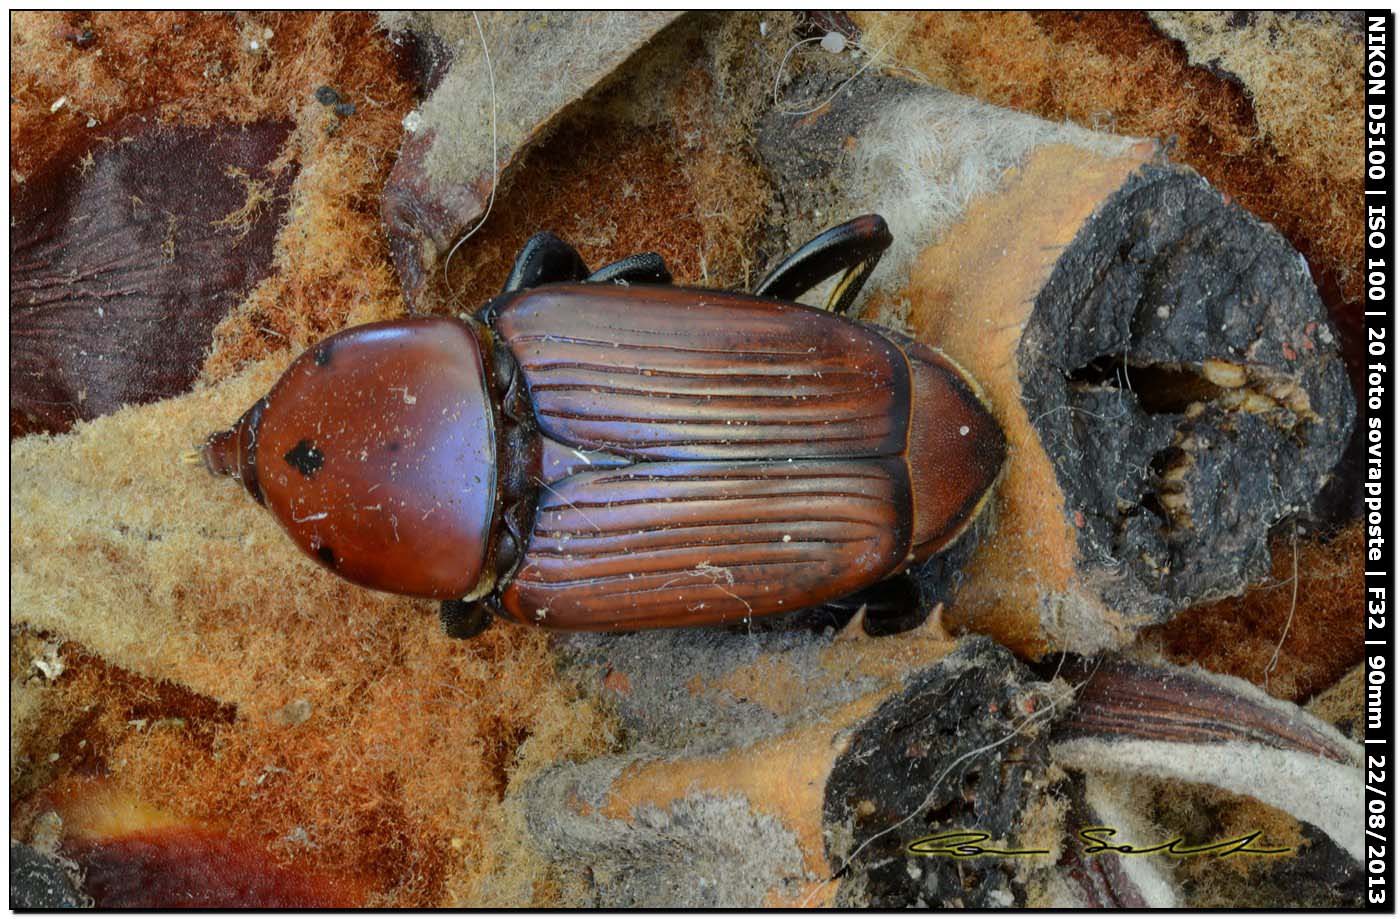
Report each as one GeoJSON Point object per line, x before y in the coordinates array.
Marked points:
{"type": "Point", "coordinates": [787, 537]}
{"type": "Point", "coordinates": [964, 430]}
{"type": "Point", "coordinates": [299, 837]}
{"type": "Point", "coordinates": [412, 122]}
{"type": "Point", "coordinates": [59, 103]}
{"type": "Point", "coordinates": [48, 662]}
{"type": "Point", "coordinates": [833, 42]}
{"type": "Point", "coordinates": [298, 711]}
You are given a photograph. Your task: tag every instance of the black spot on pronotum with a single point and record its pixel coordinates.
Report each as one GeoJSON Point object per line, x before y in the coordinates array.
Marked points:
{"type": "Point", "coordinates": [394, 446]}
{"type": "Point", "coordinates": [305, 458]}
{"type": "Point", "coordinates": [325, 554]}
{"type": "Point", "coordinates": [322, 355]}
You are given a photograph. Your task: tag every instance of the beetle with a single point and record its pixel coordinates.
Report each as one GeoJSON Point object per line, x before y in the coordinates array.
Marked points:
{"type": "Point", "coordinates": [605, 451]}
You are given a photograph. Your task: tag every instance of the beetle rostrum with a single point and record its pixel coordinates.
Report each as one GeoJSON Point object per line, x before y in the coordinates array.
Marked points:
{"type": "Point", "coordinates": [605, 451]}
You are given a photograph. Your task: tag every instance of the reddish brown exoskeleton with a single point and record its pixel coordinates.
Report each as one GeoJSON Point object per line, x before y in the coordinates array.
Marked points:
{"type": "Point", "coordinates": [608, 452]}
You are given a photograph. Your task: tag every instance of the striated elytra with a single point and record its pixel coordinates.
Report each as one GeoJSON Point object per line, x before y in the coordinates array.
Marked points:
{"type": "Point", "coordinates": [604, 451]}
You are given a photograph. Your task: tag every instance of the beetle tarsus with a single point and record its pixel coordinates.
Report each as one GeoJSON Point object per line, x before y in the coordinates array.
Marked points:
{"type": "Point", "coordinates": [855, 247]}
{"type": "Point", "coordinates": [545, 259]}
{"type": "Point", "coordinates": [464, 618]}
{"type": "Point", "coordinates": [644, 268]}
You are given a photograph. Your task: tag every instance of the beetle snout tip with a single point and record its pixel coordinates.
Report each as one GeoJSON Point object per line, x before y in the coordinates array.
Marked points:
{"type": "Point", "coordinates": [220, 453]}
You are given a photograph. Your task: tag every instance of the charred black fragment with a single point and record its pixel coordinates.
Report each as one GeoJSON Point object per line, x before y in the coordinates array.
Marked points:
{"type": "Point", "coordinates": [327, 555]}
{"type": "Point", "coordinates": [1188, 388]}
{"type": "Point", "coordinates": [956, 750]}
{"type": "Point", "coordinates": [39, 881]}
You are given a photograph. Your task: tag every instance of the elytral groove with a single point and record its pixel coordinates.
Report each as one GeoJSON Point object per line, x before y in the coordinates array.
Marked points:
{"type": "Point", "coordinates": [727, 353]}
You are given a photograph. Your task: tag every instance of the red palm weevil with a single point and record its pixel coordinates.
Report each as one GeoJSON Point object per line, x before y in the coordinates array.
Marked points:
{"type": "Point", "coordinates": [605, 451]}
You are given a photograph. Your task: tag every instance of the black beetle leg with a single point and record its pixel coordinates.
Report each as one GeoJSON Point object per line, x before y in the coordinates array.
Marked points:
{"type": "Point", "coordinates": [855, 246]}
{"type": "Point", "coordinates": [646, 268]}
{"type": "Point", "coordinates": [891, 606]}
{"type": "Point", "coordinates": [464, 618]}
{"type": "Point", "coordinates": [545, 259]}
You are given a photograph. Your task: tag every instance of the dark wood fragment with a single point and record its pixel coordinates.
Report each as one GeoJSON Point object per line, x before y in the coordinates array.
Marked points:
{"type": "Point", "coordinates": [123, 261]}
{"type": "Point", "coordinates": [1123, 698]}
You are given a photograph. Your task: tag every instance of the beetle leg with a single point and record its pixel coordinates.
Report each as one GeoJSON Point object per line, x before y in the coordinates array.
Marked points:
{"type": "Point", "coordinates": [545, 259]}
{"type": "Point", "coordinates": [464, 618]}
{"type": "Point", "coordinates": [855, 246]}
{"type": "Point", "coordinates": [646, 268]}
{"type": "Point", "coordinates": [891, 606]}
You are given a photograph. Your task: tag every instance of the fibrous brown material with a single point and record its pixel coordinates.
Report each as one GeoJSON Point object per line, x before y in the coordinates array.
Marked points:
{"type": "Point", "coordinates": [659, 161]}
{"type": "Point", "coordinates": [193, 70]}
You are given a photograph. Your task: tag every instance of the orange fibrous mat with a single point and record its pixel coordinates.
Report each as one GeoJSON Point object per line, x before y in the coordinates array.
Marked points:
{"type": "Point", "coordinates": [1296, 633]}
